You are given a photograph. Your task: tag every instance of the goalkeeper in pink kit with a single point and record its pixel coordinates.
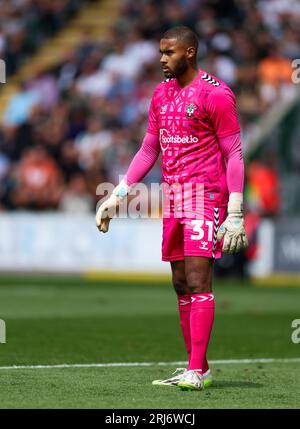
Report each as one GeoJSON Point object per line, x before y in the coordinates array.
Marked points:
{"type": "Point", "coordinates": [193, 123]}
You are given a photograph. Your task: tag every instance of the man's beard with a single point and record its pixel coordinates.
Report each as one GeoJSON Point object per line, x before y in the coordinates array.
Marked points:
{"type": "Point", "coordinates": [180, 69]}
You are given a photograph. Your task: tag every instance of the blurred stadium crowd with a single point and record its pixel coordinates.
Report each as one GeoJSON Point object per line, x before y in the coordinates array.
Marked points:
{"type": "Point", "coordinates": [25, 24]}
{"type": "Point", "coordinates": [80, 123]}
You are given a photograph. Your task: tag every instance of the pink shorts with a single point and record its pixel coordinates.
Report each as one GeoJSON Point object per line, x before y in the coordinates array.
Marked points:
{"type": "Point", "coordinates": [193, 237]}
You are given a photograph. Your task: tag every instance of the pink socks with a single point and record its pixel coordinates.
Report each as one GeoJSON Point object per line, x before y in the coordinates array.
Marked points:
{"type": "Point", "coordinates": [196, 318]}
{"type": "Point", "coordinates": [184, 306]}
{"type": "Point", "coordinates": [201, 321]}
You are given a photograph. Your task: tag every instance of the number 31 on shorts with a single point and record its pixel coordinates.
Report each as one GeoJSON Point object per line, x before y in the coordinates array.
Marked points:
{"type": "Point", "coordinates": [200, 229]}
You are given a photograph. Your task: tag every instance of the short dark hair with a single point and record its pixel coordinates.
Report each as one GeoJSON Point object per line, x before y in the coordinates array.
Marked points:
{"type": "Point", "coordinates": [184, 34]}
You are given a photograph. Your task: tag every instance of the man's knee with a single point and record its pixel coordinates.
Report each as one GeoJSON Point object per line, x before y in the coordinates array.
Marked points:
{"type": "Point", "coordinates": [198, 283]}
{"type": "Point", "coordinates": [180, 286]}
{"type": "Point", "coordinates": [198, 275]}
{"type": "Point", "coordinates": [178, 277]}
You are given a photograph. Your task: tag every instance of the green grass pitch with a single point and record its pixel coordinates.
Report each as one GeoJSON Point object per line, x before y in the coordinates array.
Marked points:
{"type": "Point", "coordinates": [57, 320]}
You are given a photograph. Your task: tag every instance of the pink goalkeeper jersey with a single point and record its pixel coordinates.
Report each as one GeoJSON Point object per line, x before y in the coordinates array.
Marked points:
{"type": "Point", "coordinates": [189, 122]}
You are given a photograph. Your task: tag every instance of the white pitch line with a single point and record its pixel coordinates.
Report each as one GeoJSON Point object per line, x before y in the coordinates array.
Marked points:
{"type": "Point", "coordinates": [129, 364]}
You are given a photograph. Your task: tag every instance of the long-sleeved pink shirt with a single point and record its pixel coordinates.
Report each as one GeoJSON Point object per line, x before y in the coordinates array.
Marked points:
{"type": "Point", "coordinates": [197, 131]}
{"type": "Point", "coordinates": [230, 146]}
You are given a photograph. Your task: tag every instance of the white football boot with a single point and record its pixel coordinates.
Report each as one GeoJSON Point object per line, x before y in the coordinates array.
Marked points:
{"type": "Point", "coordinates": [191, 380]}
{"type": "Point", "coordinates": [178, 374]}
{"type": "Point", "coordinates": [172, 381]}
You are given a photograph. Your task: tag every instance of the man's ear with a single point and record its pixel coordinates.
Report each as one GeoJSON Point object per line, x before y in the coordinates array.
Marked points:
{"type": "Point", "coordinates": [191, 52]}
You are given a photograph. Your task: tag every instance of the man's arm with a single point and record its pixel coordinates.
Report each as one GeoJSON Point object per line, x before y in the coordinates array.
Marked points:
{"type": "Point", "coordinates": [141, 164]}
{"type": "Point", "coordinates": [221, 107]}
{"type": "Point", "coordinates": [144, 160]}
{"type": "Point", "coordinates": [232, 151]}
{"type": "Point", "coordinates": [139, 167]}
{"type": "Point", "coordinates": [232, 230]}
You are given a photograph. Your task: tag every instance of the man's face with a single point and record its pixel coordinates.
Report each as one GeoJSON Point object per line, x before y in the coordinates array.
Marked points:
{"type": "Point", "coordinates": [174, 57]}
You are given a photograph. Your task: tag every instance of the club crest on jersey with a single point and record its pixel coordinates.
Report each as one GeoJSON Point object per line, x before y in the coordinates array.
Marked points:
{"type": "Point", "coordinates": [189, 110]}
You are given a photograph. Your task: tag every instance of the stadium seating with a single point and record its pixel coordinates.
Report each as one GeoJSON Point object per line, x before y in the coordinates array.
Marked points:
{"type": "Point", "coordinates": [82, 99]}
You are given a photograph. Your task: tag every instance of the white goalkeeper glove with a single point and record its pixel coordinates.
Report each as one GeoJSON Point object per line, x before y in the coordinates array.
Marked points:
{"type": "Point", "coordinates": [108, 209]}
{"type": "Point", "coordinates": [233, 230]}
